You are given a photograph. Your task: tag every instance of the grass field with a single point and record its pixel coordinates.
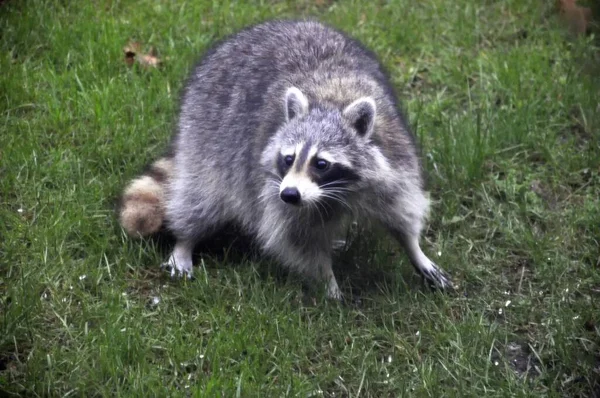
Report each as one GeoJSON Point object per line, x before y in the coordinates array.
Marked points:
{"type": "Point", "coordinates": [506, 105]}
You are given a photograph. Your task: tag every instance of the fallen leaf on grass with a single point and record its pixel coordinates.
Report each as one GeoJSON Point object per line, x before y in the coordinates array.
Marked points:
{"type": "Point", "coordinates": [130, 51]}
{"type": "Point", "coordinates": [150, 59]}
{"type": "Point", "coordinates": [133, 53]}
{"type": "Point", "coordinates": [578, 18]}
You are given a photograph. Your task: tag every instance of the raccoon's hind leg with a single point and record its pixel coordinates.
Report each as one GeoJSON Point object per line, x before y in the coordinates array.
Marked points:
{"type": "Point", "coordinates": [180, 260]}
{"type": "Point", "coordinates": [197, 228]}
{"type": "Point", "coordinates": [191, 216]}
{"type": "Point", "coordinates": [405, 221]}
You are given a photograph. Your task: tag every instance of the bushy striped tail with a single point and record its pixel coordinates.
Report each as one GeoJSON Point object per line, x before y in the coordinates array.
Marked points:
{"type": "Point", "coordinates": [142, 210]}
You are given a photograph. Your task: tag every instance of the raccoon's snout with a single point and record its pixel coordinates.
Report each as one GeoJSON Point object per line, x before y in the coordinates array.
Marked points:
{"type": "Point", "coordinates": [290, 195]}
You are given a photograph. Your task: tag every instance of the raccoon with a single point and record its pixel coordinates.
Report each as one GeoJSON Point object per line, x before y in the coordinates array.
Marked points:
{"type": "Point", "coordinates": [287, 129]}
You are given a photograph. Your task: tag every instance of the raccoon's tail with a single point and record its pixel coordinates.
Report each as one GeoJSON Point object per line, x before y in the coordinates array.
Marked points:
{"type": "Point", "coordinates": [142, 209]}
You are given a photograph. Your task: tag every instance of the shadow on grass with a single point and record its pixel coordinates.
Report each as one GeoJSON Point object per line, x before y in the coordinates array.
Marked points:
{"type": "Point", "coordinates": [11, 366]}
{"type": "Point", "coordinates": [361, 266]}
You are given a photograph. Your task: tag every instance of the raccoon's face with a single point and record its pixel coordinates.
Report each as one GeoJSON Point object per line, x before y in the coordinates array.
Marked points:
{"type": "Point", "coordinates": [316, 152]}
{"type": "Point", "coordinates": [311, 173]}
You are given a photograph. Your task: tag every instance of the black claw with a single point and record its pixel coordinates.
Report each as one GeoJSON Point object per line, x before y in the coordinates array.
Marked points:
{"type": "Point", "coordinates": [438, 279]}
{"type": "Point", "coordinates": [168, 268]}
{"type": "Point", "coordinates": [180, 275]}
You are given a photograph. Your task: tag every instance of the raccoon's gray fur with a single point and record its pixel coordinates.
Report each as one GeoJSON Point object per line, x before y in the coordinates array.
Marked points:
{"type": "Point", "coordinates": [287, 129]}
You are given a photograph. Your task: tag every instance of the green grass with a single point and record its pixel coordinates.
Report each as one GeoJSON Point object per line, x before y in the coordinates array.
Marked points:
{"type": "Point", "coordinates": [506, 105]}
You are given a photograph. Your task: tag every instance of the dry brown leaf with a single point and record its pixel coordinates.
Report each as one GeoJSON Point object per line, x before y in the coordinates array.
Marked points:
{"type": "Point", "coordinates": [578, 18]}
{"type": "Point", "coordinates": [133, 53]}
{"type": "Point", "coordinates": [148, 60]}
{"type": "Point", "coordinates": [130, 50]}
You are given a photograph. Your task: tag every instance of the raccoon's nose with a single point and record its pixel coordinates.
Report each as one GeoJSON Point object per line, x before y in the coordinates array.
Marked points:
{"type": "Point", "coordinates": [290, 195]}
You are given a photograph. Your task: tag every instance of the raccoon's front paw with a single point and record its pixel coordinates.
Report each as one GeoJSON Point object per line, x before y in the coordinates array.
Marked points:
{"type": "Point", "coordinates": [178, 268]}
{"type": "Point", "coordinates": [437, 278]}
{"type": "Point", "coordinates": [333, 290]}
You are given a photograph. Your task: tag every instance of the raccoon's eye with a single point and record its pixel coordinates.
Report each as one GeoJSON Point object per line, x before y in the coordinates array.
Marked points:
{"type": "Point", "coordinates": [288, 160]}
{"type": "Point", "coordinates": [321, 164]}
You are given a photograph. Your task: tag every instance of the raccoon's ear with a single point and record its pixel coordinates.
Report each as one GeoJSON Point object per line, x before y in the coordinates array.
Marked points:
{"type": "Point", "coordinates": [296, 103]}
{"type": "Point", "coordinates": [361, 115]}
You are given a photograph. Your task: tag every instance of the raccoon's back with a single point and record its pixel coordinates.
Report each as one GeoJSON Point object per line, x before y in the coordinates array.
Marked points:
{"type": "Point", "coordinates": [236, 91]}
{"type": "Point", "coordinates": [233, 101]}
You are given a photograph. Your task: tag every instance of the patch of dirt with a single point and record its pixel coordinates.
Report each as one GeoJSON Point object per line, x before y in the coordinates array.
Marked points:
{"type": "Point", "coordinates": [522, 360]}
{"type": "Point", "coordinates": [577, 130]}
{"type": "Point", "coordinates": [419, 80]}
{"type": "Point", "coordinates": [536, 158]}
{"type": "Point", "coordinates": [11, 361]}
{"type": "Point", "coordinates": [518, 272]}
{"type": "Point", "coordinates": [577, 384]}
{"type": "Point", "coordinates": [519, 357]}
{"type": "Point", "coordinates": [544, 193]}
{"type": "Point", "coordinates": [516, 37]}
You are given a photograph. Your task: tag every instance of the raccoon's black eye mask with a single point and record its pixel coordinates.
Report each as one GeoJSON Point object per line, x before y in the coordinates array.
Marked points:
{"type": "Point", "coordinates": [284, 163]}
{"type": "Point", "coordinates": [321, 171]}
{"type": "Point", "coordinates": [321, 164]}
{"type": "Point", "coordinates": [335, 175]}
